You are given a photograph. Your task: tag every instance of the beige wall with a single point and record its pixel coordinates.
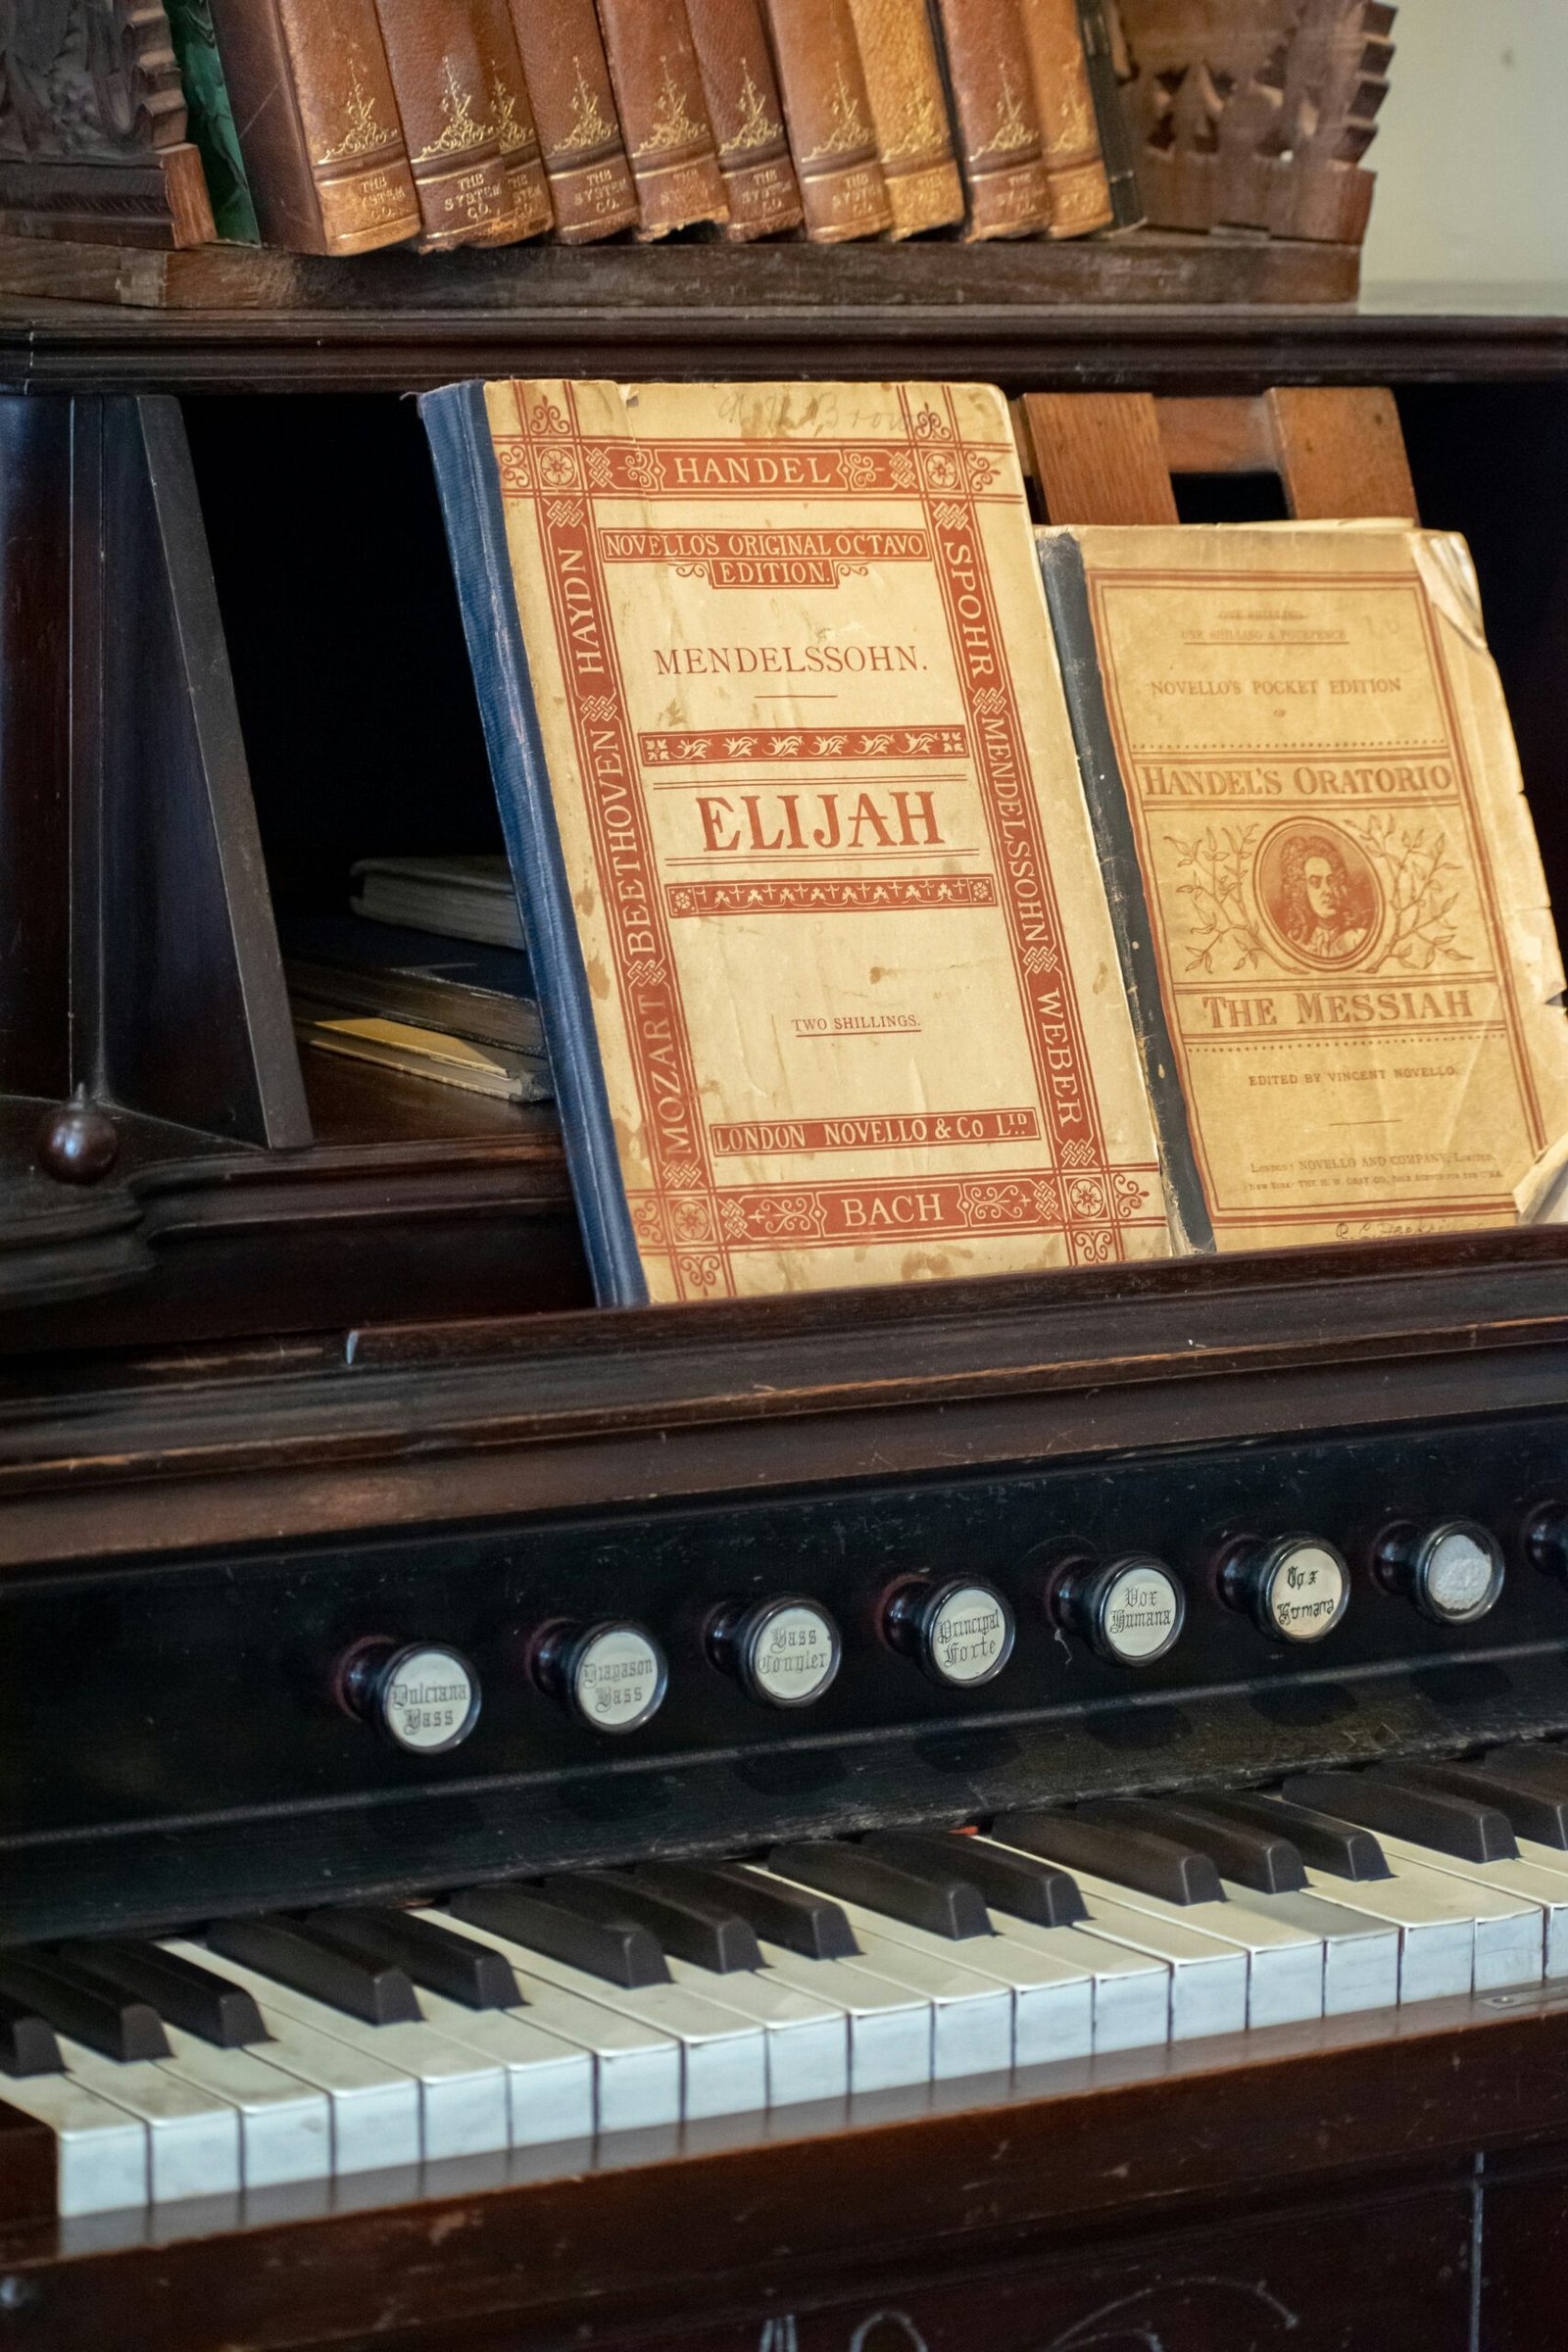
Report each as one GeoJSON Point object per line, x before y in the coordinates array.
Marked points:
{"type": "Point", "coordinates": [1472, 155]}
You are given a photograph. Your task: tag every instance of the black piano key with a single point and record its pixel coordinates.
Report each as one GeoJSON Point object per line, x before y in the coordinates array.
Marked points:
{"type": "Point", "coordinates": [1260, 1858]}
{"type": "Point", "coordinates": [293, 1954]}
{"type": "Point", "coordinates": [1533, 1810]}
{"type": "Point", "coordinates": [1175, 1870]}
{"type": "Point", "coordinates": [432, 1955]}
{"type": "Point", "coordinates": [1535, 1765]}
{"type": "Point", "coordinates": [1323, 1842]}
{"type": "Point", "coordinates": [28, 2044]}
{"type": "Point", "coordinates": [692, 1926]}
{"type": "Point", "coordinates": [948, 1905]}
{"type": "Point", "coordinates": [621, 1953]}
{"type": "Point", "coordinates": [1018, 1883]}
{"type": "Point", "coordinates": [810, 1924]}
{"type": "Point", "coordinates": [182, 1993]}
{"type": "Point", "coordinates": [74, 2003]}
{"type": "Point", "coordinates": [1449, 1825]}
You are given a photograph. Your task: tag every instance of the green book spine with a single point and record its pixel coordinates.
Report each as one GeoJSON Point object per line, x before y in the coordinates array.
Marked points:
{"type": "Point", "coordinates": [212, 122]}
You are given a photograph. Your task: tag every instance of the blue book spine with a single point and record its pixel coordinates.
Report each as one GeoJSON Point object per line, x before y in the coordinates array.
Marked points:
{"type": "Point", "coordinates": [470, 487]}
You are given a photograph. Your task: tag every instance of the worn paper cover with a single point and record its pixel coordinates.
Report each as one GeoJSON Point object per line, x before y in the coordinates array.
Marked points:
{"type": "Point", "coordinates": [1355, 951]}
{"type": "Point", "coordinates": [854, 980]}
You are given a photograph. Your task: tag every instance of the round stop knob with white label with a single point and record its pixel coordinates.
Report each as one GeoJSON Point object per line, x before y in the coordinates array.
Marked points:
{"type": "Point", "coordinates": [611, 1677]}
{"type": "Point", "coordinates": [420, 1696]}
{"type": "Point", "coordinates": [782, 1652]}
{"type": "Point", "coordinates": [959, 1632]}
{"type": "Point", "coordinates": [1130, 1610]}
{"type": "Point", "coordinates": [1294, 1589]}
{"type": "Point", "coordinates": [1453, 1572]}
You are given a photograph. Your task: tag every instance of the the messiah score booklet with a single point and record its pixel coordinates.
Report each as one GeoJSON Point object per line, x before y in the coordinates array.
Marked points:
{"type": "Point", "coordinates": [1299, 764]}
{"type": "Point", "coordinates": [829, 981]}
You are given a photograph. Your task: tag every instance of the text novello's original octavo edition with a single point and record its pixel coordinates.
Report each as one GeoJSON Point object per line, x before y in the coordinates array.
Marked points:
{"type": "Point", "coordinates": [854, 984]}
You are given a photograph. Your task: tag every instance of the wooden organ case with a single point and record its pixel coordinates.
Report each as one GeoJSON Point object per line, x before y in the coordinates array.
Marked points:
{"type": "Point", "coordinates": [290, 1368]}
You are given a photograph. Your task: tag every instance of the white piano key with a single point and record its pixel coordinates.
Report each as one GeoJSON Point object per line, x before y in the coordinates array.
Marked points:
{"type": "Point", "coordinates": [1552, 1863]}
{"type": "Point", "coordinates": [192, 2135]}
{"type": "Point", "coordinates": [1129, 1991]}
{"type": "Point", "coordinates": [975, 2001]}
{"type": "Point", "coordinates": [637, 2068]}
{"type": "Point", "coordinates": [1207, 1980]}
{"type": "Point", "coordinates": [1528, 1928]}
{"type": "Point", "coordinates": [285, 2128]}
{"type": "Point", "coordinates": [807, 2036]}
{"type": "Point", "coordinates": [1437, 1934]}
{"type": "Point", "coordinates": [890, 2026]}
{"type": "Point", "coordinates": [723, 2058]}
{"type": "Point", "coordinates": [1282, 1964]}
{"type": "Point", "coordinates": [100, 2149]}
{"type": "Point", "coordinates": [1361, 1955]}
{"type": "Point", "coordinates": [549, 2083]}
{"type": "Point", "coordinates": [462, 2097]}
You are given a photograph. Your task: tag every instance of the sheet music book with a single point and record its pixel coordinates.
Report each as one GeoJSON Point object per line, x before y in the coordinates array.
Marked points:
{"type": "Point", "coordinates": [1323, 871]}
{"type": "Point", "coordinates": [789, 785]}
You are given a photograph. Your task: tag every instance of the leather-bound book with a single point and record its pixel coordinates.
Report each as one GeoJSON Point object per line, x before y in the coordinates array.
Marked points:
{"type": "Point", "coordinates": [443, 96]}
{"type": "Point", "coordinates": [1000, 141]}
{"type": "Point", "coordinates": [528, 207]}
{"type": "Point", "coordinates": [1080, 193]}
{"type": "Point", "coordinates": [579, 133]}
{"type": "Point", "coordinates": [828, 110]}
{"type": "Point", "coordinates": [664, 114]}
{"type": "Point", "coordinates": [317, 121]}
{"type": "Point", "coordinates": [1116, 144]}
{"type": "Point", "coordinates": [910, 113]}
{"type": "Point", "coordinates": [747, 114]}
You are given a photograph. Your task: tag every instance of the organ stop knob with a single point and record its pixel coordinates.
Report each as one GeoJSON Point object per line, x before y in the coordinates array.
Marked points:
{"type": "Point", "coordinates": [420, 1696]}
{"type": "Point", "coordinates": [783, 1652]}
{"type": "Point", "coordinates": [1130, 1610]}
{"type": "Point", "coordinates": [959, 1632]}
{"type": "Point", "coordinates": [1453, 1572]}
{"type": "Point", "coordinates": [611, 1677]}
{"type": "Point", "coordinates": [1294, 1589]}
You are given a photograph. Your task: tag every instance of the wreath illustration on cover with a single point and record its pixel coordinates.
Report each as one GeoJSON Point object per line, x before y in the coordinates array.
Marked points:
{"type": "Point", "coordinates": [1318, 895]}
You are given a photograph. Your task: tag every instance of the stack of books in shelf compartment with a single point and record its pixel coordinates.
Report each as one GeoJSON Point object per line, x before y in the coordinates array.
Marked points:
{"type": "Point", "coordinates": [427, 976]}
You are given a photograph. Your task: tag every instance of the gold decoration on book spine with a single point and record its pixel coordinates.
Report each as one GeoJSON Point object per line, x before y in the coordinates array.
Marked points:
{"type": "Point", "coordinates": [924, 131]}
{"type": "Point", "coordinates": [848, 133]}
{"type": "Point", "coordinates": [1013, 130]}
{"type": "Point", "coordinates": [673, 127]}
{"type": "Point", "coordinates": [460, 133]}
{"type": "Point", "coordinates": [365, 131]}
{"type": "Point", "coordinates": [756, 127]}
{"type": "Point", "coordinates": [588, 126]}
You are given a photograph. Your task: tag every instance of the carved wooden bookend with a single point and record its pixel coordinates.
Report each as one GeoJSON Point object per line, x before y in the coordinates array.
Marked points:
{"type": "Point", "coordinates": [138, 957]}
{"type": "Point", "coordinates": [1256, 114]}
{"type": "Point", "coordinates": [93, 126]}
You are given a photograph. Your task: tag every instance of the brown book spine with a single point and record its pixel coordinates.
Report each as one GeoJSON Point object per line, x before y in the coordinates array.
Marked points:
{"type": "Point", "coordinates": [748, 118]}
{"type": "Point", "coordinates": [663, 114]}
{"type": "Point", "coordinates": [317, 124]}
{"type": "Point", "coordinates": [1000, 142]}
{"type": "Point", "coordinates": [910, 111]}
{"type": "Point", "coordinates": [828, 111]}
{"type": "Point", "coordinates": [529, 211]}
{"type": "Point", "coordinates": [579, 133]}
{"type": "Point", "coordinates": [1080, 192]}
{"type": "Point", "coordinates": [443, 96]}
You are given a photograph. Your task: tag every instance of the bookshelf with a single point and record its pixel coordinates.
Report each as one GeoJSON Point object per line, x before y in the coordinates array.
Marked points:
{"type": "Point", "coordinates": [410, 1203]}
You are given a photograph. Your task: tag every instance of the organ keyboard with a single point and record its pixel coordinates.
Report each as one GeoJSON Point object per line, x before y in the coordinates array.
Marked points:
{"type": "Point", "coordinates": [521, 2015]}
{"type": "Point", "coordinates": [605, 1781]}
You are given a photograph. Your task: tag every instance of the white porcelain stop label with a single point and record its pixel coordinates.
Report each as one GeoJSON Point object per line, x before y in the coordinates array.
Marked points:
{"type": "Point", "coordinates": [970, 1634]}
{"type": "Point", "coordinates": [430, 1701]}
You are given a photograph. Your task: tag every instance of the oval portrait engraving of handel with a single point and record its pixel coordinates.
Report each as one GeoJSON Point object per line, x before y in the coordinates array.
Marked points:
{"type": "Point", "coordinates": [1319, 892]}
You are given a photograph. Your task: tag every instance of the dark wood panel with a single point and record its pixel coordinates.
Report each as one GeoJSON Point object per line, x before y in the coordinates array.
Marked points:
{"type": "Point", "coordinates": [901, 327]}
{"type": "Point", "coordinates": [553, 1411]}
